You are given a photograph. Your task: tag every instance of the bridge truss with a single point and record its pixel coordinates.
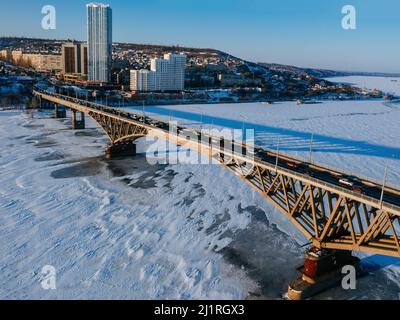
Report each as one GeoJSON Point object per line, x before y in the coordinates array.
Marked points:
{"type": "Point", "coordinates": [329, 218]}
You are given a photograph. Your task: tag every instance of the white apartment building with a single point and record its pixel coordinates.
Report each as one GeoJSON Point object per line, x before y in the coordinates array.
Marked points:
{"type": "Point", "coordinates": [177, 67]}
{"type": "Point", "coordinates": [166, 74]}
{"type": "Point", "coordinates": [143, 80]}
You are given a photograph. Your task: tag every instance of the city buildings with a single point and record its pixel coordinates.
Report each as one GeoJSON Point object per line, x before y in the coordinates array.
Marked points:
{"type": "Point", "coordinates": [230, 80]}
{"type": "Point", "coordinates": [166, 74]}
{"type": "Point", "coordinates": [39, 61]}
{"type": "Point", "coordinates": [75, 58]}
{"type": "Point", "coordinates": [99, 27]}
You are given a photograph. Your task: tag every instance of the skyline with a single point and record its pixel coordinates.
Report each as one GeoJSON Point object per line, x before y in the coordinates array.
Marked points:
{"type": "Point", "coordinates": [305, 35]}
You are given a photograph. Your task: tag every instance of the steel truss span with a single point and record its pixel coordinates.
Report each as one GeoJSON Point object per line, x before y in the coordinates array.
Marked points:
{"type": "Point", "coordinates": [329, 214]}
{"type": "Point", "coordinates": [330, 219]}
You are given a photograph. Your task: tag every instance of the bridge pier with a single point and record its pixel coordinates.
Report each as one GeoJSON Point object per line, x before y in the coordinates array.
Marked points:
{"type": "Point", "coordinates": [122, 149]}
{"type": "Point", "coordinates": [39, 101]}
{"type": "Point", "coordinates": [78, 123]}
{"type": "Point", "coordinates": [60, 113]}
{"type": "Point", "coordinates": [322, 270]}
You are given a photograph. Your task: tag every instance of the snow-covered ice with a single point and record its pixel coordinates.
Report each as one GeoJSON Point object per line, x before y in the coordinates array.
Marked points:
{"type": "Point", "coordinates": [390, 85]}
{"type": "Point", "coordinates": [99, 225]}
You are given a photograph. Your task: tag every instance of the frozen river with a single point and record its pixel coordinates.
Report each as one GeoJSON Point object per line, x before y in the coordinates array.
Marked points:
{"type": "Point", "coordinates": [125, 229]}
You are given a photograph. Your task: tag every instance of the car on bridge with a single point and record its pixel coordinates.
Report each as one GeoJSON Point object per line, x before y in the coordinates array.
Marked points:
{"type": "Point", "coordinates": [292, 165]}
{"type": "Point", "coordinates": [347, 182]}
{"type": "Point", "coordinates": [353, 185]}
{"type": "Point", "coordinates": [359, 189]}
{"type": "Point", "coordinates": [303, 168]}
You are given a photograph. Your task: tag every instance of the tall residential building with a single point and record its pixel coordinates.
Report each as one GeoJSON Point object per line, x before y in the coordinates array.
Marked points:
{"type": "Point", "coordinates": [99, 26]}
{"type": "Point", "coordinates": [143, 80]}
{"type": "Point", "coordinates": [166, 74]}
{"type": "Point", "coordinates": [74, 58]}
{"type": "Point", "coordinates": [177, 65]}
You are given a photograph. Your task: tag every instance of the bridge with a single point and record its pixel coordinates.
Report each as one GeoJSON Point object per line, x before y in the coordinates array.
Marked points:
{"type": "Point", "coordinates": [337, 213]}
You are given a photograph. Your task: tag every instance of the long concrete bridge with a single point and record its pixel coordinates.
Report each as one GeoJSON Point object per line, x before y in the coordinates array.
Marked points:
{"type": "Point", "coordinates": [337, 213]}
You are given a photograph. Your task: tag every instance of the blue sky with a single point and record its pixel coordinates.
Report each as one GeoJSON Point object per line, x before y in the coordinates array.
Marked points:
{"type": "Point", "coordinates": [298, 32]}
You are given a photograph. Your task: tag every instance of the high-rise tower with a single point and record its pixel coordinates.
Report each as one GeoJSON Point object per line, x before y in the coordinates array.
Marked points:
{"type": "Point", "coordinates": [99, 26]}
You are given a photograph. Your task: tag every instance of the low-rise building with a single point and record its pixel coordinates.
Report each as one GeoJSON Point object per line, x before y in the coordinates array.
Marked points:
{"type": "Point", "coordinates": [5, 54]}
{"type": "Point", "coordinates": [39, 61]}
{"type": "Point", "coordinates": [45, 62]}
{"type": "Point", "coordinates": [229, 80]}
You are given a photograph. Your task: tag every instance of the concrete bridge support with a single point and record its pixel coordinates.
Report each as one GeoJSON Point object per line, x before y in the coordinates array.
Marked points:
{"type": "Point", "coordinates": [59, 112]}
{"type": "Point", "coordinates": [122, 149]}
{"type": "Point", "coordinates": [322, 270]}
{"type": "Point", "coordinates": [78, 122]}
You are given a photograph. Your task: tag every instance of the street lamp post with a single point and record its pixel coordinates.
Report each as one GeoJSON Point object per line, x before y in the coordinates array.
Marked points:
{"type": "Point", "coordinates": [384, 185]}
{"type": "Point", "coordinates": [311, 146]}
{"type": "Point", "coordinates": [277, 154]}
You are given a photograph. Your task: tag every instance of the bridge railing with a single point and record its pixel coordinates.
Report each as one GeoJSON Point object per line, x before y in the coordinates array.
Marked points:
{"type": "Point", "coordinates": [322, 165]}
{"type": "Point", "coordinates": [344, 190]}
